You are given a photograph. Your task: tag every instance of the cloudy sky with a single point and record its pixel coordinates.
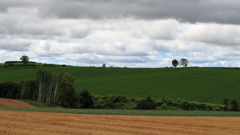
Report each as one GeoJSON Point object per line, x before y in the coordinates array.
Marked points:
{"type": "Point", "coordinates": [133, 33]}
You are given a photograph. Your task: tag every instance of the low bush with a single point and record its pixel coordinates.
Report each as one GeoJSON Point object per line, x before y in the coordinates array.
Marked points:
{"type": "Point", "coordinates": [147, 104]}
{"type": "Point", "coordinates": [113, 102]}
{"type": "Point", "coordinates": [86, 99]}
{"type": "Point", "coordinates": [35, 103]}
{"type": "Point", "coordinates": [10, 90]}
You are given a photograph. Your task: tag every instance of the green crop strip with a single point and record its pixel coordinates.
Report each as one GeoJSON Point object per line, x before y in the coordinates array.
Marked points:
{"type": "Point", "coordinates": [129, 112]}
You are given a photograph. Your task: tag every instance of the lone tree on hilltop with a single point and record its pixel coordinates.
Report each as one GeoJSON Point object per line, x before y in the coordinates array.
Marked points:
{"type": "Point", "coordinates": [175, 63]}
{"type": "Point", "coordinates": [104, 65]}
{"type": "Point", "coordinates": [184, 62]}
{"type": "Point", "coordinates": [24, 59]}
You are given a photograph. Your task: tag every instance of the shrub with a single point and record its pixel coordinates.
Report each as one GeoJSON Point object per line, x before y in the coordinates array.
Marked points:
{"type": "Point", "coordinates": [147, 104]}
{"type": "Point", "coordinates": [188, 106]}
{"type": "Point", "coordinates": [86, 99]}
{"type": "Point", "coordinates": [218, 108]}
{"type": "Point", "coordinates": [67, 96]}
{"type": "Point", "coordinates": [29, 90]}
{"type": "Point", "coordinates": [10, 90]}
{"type": "Point", "coordinates": [208, 107]}
{"type": "Point", "coordinates": [226, 105]}
{"type": "Point", "coordinates": [35, 103]}
{"type": "Point", "coordinates": [169, 102]}
{"type": "Point", "coordinates": [164, 106]}
{"type": "Point", "coordinates": [234, 105]}
{"type": "Point", "coordinates": [114, 102]}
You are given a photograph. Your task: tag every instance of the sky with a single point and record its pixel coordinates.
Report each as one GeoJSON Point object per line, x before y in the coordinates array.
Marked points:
{"type": "Point", "coordinates": [119, 33]}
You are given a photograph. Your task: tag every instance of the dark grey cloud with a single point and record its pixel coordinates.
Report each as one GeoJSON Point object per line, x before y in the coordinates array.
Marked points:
{"type": "Point", "coordinates": [216, 11]}
{"type": "Point", "coordinates": [14, 45]}
{"type": "Point", "coordinates": [26, 26]}
{"type": "Point", "coordinates": [6, 4]}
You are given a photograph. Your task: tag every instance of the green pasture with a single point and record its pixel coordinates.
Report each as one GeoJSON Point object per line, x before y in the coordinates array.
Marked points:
{"type": "Point", "coordinates": [128, 112]}
{"type": "Point", "coordinates": [207, 85]}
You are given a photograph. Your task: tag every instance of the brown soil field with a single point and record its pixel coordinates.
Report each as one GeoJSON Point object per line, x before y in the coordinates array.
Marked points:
{"type": "Point", "coordinates": [39, 123]}
{"type": "Point", "coordinates": [14, 103]}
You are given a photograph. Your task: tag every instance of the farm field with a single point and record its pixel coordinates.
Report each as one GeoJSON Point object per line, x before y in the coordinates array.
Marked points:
{"type": "Point", "coordinates": [39, 123]}
{"type": "Point", "coordinates": [14, 103]}
{"type": "Point", "coordinates": [207, 85]}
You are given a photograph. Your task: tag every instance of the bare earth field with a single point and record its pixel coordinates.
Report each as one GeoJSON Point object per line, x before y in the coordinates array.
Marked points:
{"type": "Point", "coordinates": [38, 123]}
{"type": "Point", "coordinates": [14, 103]}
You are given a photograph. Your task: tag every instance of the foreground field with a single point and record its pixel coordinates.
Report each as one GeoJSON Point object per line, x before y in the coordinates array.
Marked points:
{"type": "Point", "coordinates": [14, 103]}
{"type": "Point", "coordinates": [207, 85]}
{"type": "Point", "coordinates": [38, 123]}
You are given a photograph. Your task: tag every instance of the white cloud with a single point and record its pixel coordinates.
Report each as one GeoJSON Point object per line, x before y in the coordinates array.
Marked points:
{"type": "Point", "coordinates": [212, 33]}
{"type": "Point", "coordinates": [161, 29]}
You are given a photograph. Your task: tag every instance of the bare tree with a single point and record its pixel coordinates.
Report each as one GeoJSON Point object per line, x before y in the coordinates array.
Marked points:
{"type": "Point", "coordinates": [184, 62]}
{"type": "Point", "coordinates": [175, 63]}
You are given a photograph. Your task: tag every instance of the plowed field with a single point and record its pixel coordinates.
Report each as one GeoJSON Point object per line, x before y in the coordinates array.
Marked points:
{"type": "Point", "coordinates": [14, 103]}
{"type": "Point", "coordinates": [38, 123]}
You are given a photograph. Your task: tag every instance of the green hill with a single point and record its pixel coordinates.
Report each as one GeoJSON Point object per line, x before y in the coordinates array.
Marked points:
{"type": "Point", "coordinates": [209, 85]}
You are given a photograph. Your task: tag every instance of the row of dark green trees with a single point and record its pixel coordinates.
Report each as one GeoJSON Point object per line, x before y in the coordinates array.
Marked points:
{"type": "Point", "coordinates": [24, 59]}
{"type": "Point", "coordinates": [57, 89]}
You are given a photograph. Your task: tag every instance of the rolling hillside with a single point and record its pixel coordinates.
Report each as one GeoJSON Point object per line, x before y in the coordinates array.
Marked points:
{"type": "Point", "coordinates": [210, 85]}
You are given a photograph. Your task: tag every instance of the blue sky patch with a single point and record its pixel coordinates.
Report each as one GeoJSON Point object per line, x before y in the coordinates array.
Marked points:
{"type": "Point", "coordinates": [179, 31]}
{"type": "Point", "coordinates": [162, 54]}
{"type": "Point", "coordinates": [60, 61]}
{"type": "Point", "coordinates": [8, 51]}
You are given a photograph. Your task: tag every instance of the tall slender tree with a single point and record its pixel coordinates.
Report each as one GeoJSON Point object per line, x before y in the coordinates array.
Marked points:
{"type": "Point", "coordinates": [48, 84]}
{"type": "Point", "coordinates": [226, 104]}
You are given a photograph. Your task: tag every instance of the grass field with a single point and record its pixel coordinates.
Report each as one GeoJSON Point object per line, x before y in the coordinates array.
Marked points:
{"type": "Point", "coordinates": [208, 85]}
{"type": "Point", "coordinates": [128, 112]}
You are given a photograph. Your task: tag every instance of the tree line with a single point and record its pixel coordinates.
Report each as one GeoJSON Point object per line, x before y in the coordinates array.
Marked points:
{"type": "Point", "coordinates": [232, 106]}
{"type": "Point", "coordinates": [24, 59]}
{"type": "Point", "coordinates": [12, 62]}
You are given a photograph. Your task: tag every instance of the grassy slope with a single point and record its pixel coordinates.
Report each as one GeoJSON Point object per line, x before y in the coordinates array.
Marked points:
{"type": "Point", "coordinates": [210, 85]}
